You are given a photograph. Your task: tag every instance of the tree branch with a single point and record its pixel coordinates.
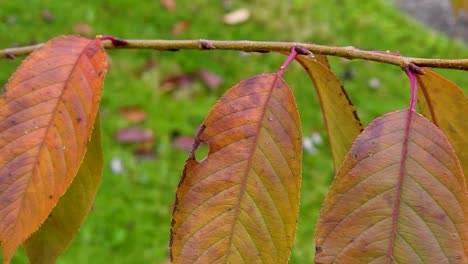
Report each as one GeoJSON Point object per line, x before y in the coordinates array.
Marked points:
{"type": "Point", "coordinates": [263, 46]}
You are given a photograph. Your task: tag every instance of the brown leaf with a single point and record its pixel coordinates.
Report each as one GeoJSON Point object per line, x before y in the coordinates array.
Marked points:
{"type": "Point", "coordinates": [46, 118]}
{"type": "Point", "coordinates": [240, 203]}
{"type": "Point", "coordinates": [83, 29]}
{"type": "Point", "coordinates": [400, 197]}
{"type": "Point", "coordinates": [183, 142]}
{"type": "Point", "coordinates": [237, 16]}
{"type": "Point", "coordinates": [212, 80]}
{"type": "Point", "coordinates": [144, 153]}
{"type": "Point", "coordinates": [47, 16]}
{"type": "Point", "coordinates": [134, 135]}
{"type": "Point", "coordinates": [170, 5]}
{"type": "Point", "coordinates": [180, 27]}
{"type": "Point", "coordinates": [179, 80]}
{"type": "Point", "coordinates": [133, 114]}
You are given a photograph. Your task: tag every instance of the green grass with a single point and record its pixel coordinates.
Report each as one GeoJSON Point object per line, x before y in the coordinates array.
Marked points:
{"type": "Point", "coordinates": [130, 220]}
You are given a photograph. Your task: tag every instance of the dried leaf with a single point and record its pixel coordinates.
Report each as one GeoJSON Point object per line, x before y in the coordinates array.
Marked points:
{"type": "Point", "coordinates": [47, 16]}
{"type": "Point", "coordinates": [240, 203]}
{"type": "Point", "coordinates": [180, 27]}
{"type": "Point", "coordinates": [210, 79]}
{"type": "Point", "coordinates": [400, 197]}
{"type": "Point", "coordinates": [46, 119]}
{"type": "Point", "coordinates": [183, 143]}
{"type": "Point", "coordinates": [134, 135]}
{"type": "Point", "coordinates": [54, 236]}
{"type": "Point", "coordinates": [83, 29]}
{"type": "Point", "coordinates": [446, 105]}
{"type": "Point", "coordinates": [459, 5]}
{"type": "Point", "coordinates": [237, 16]}
{"type": "Point", "coordinates": [339, 115]}
{"type": "Point", "coordinates": [179, 80]}
{"type": "Point", "coordinates": [170, 5]}
{"type": "Point", "coordinates": [145, 153]}
{"type": "Point", "coordinates": [133, 114]}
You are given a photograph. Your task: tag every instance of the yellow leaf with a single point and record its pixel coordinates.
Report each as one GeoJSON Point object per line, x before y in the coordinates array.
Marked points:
{"type": "Point", "coordinates": [339, 115]}
{"type": "Point", "coordinates": [54, 236]}
{"type": "Point", "coordinates": [446, 105]}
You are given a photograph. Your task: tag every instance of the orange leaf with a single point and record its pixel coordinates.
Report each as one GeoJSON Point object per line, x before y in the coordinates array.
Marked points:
{"type": "Point", "coordinates": [339, 115]}
{"type": "Point", "coordinates": [240, 204]}
{"type": "Point", "coordinates": [54, 236]}
{"type": "Point", "coordinates": [459, 5]}
{"type": "Point", "coordinates": [46, 119]}
{"type": "Point", "coordinates": [446, 105]}
{"type": "Point", "coordinates": [400, 197]}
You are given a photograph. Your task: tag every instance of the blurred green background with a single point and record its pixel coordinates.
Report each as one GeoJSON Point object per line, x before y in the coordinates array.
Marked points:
{"type": "Point", "coordinates": [130, 220]}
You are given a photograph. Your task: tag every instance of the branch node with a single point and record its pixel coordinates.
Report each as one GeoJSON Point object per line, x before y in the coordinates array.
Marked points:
{"type": "Point", "coordinates": [10, 55]}
{"type": "Point", "coordinates": [116, 42]}
{"type": "Point", "coordinates": [415, 69]}
{"type": "Point", "coordinates": [302, 51]}
{"type": "Point", "coordinates": [206, 45]}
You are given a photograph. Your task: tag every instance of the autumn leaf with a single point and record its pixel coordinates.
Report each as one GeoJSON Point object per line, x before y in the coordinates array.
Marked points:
{"type": "Point", "coordinates": [400, 197]}
{"type": "Point", "coordinates": [54, 236]}
{"type": "Point", "coordinates": [446, 105]}
{"type": "Point", "coordinates": [459, 5]}
{"type": "Point", "coordinates": [46, 118]}
{"type": "Point", "coordinates": [339, 115]}
{"type": "Point", "coordinates": [240, 203]}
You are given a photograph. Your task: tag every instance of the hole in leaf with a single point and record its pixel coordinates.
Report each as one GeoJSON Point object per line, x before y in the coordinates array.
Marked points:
{"type": "Point", "coordinates": [202, 151]}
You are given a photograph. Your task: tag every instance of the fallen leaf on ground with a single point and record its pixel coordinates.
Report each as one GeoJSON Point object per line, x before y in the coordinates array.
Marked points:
{"type": "Point", "coordinates": [133, 114]}
{"type": "Point", "coordinates": [212, 80]}
{"type": "Point", "coordinates": [134, 135]}
{"type": "Point", "coordinates": [180, 27]}
{"type": "Point", "coordinates": [183, 143]}
{"type": "Point", "coordinates": [83, 29]}
{"type": "Point", "coordinates": [237, 16]}
{"type": "Point", "coordinates": [179, 80]}
{"type": "Point", "coordinates": [170, 5]}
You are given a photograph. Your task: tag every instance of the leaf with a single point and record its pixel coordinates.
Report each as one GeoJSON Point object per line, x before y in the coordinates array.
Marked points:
{"type": "Point", "coordinates": [446, 105]}
{"type": "Point", "coordinates": [180, 27]}
{"type": "Point", "coordinates": [133, 114]}
{"type": "Point", "coordinates": [339, 115]}
{"type": "Point", "coordinates": [57, 232]}
{"type": "Point", "coordinates": [212, 80]}
{"type": "Point", "coordinates": [170, 5]}
{"type": "Point", "coordinates": [400, 197]}
{"type": "Point", "coordinates": [459, 5]}
{"type": "Point", "coordinates": [46, 119]}
{"type": "Point", "coordinates": [237, 16]}
{"type": "Point", "coordinates": [183, 142]}
{"type": "Point", "coordinates": [240, 204]}
{"type": "Point", "coordinates": [134, 135]}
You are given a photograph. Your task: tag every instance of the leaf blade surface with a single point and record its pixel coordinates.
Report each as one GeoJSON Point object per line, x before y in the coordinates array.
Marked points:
{"type": "Point", "coordinates": [57, 232]}
{"type": "Point", "coordinates": [446, 105]}
{"type": "Point", "coordinates": [339, 115]}
{"type": "Point", "coordinates": [46, 118]}
{"type": "Point", "coordinates": [240, 203]}
{"type": "Point", "coordinates": [388, 205]}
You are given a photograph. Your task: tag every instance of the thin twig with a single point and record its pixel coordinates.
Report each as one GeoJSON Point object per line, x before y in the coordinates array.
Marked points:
{"type": "Point", "coordinates": [267, 46]}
